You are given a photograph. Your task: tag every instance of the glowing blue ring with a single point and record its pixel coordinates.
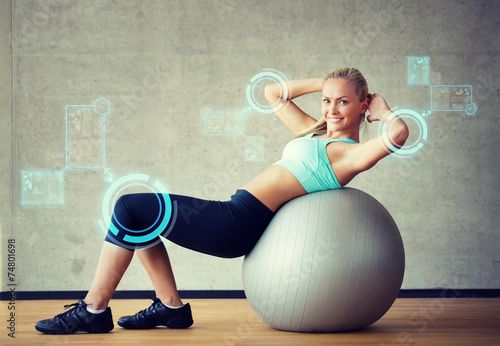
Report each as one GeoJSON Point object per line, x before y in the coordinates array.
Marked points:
{"type": "Point", "coordinates": [417, 145]}
{"type": "Point", "coordinates": [161, 190]}
{"type": "Point", "coordinates": [270, 75]}
{"type": "Point", "coordinates": [140, 230]}
{"type": "Point", "coordinates": [256, 103]}
{"type": "Point", "coordinates": [407, 147]}
{"type": "Point", "coordinates": [147, 237]}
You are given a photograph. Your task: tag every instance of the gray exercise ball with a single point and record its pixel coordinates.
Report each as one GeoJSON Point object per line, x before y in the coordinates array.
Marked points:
{"type": "Point", "coordinates": [329, 261]}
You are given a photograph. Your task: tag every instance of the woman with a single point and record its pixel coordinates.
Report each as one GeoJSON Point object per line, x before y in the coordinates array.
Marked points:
{"type": "Point", "coordinates": [325, 154]}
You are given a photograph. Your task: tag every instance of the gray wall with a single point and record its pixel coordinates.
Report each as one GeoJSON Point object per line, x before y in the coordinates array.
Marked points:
{"type": "Point", "coordinates": [6, 201]}
{"type": "Point", "coordinates": [160, 63]}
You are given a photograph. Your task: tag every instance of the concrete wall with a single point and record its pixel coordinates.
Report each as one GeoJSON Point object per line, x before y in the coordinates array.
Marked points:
{"type": "Point", "coordinates": [6, 169]}
{"type": "Point", "coordinates": [160, 63]}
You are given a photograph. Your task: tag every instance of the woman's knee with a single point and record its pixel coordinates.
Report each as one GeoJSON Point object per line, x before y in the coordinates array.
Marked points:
{"type": "Point", "coordinates": [124, 211]}
{"type": "Point", "coordinates": [124, 202]}
{"type": "Point", "coordinates": [133, 219]}
{"type": "Point", "coordinates": [137, 211]}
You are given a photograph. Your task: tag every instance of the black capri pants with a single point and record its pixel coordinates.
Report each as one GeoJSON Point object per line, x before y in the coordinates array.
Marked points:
{"type": "Point", "coordinates": [225, 229]}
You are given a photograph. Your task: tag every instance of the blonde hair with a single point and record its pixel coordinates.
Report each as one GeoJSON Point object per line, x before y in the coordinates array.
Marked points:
{"type": "Point", "coordinates": [360, 87]}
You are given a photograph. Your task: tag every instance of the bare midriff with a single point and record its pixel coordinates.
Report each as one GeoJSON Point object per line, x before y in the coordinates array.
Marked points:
{"type": "Point", "coordinates": [274, 187]}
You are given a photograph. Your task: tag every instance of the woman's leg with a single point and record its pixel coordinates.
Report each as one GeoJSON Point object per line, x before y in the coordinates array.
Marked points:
{"type": "Point", "coordinates": [157, 264]}
{"type": "Point", "coordinates": [113, 263]}
{"type": "Point", "coordinates": [167, 308]}
{"type": "Point", "coordinates": [133, 212]}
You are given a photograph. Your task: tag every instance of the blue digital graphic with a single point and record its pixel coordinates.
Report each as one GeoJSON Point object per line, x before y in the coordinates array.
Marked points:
{"type": "Point", "coordinates": [108, 176]}
{"type": "Point", "coordinates": [254, 148]}
{"type": "Point", "coordinates": [42, 187]}
{"type": "Point", "coordinates": [85, 150]}
{"type": "Point", "coordinates": [227, 122]}
{"type": "Point", "coordinates": [443, 98]}
{"type": "Point", "coordinates": [85, 134]}
{"type": "Point", "coordinates": [224, 123]}
{"type": "Point", "coordinates": [471, 109]}
{"type": "Point", "coordinates": [418, 70]}
{"type": "Point", "coordinates": [452, 98]}
{"type": "Point", "coordinates": [127, 184]}
{"type": "Point", "coordinates": [260, 80]}
{"type": "Point", "coordinates": [408, 148]}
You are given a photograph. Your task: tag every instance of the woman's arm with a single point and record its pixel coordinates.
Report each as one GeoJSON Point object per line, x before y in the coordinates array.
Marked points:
{"type": "Point", "coordinates": [364, 156]}
{"type": "Point", "coordinates": [291, 115]}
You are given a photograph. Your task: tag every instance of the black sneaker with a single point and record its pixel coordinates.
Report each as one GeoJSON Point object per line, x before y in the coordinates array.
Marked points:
{"type": "Point", "coordinates": [158, 315]}
{"type": "Point", "coordinates": [77, 320]}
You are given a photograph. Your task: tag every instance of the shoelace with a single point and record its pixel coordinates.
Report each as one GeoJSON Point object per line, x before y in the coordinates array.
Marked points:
{"type": "Point", "coordinates": [70, 312]}
{"type": "Point", "coordinates": [80, 302]}
{"type": "Point", "coordinates": [150, 308]}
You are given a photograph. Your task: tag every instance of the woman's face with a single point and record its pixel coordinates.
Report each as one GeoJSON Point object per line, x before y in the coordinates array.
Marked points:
{"type": "Point", "coordinates": [340, 105]}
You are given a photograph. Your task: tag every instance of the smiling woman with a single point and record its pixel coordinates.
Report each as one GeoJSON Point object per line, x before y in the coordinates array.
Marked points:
{"type": "Point", "coordinates": [341, 87]}
{"type": "Point", "coordinates": [341, 108]}
{"type": "Point", "coordinates": [344, 104]}
{"type": "Point", "coordinates": [326, 156]}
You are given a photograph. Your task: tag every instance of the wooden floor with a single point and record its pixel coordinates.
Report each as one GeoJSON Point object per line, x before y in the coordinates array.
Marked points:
{"type": "Point", "coordinates": [436, 321]}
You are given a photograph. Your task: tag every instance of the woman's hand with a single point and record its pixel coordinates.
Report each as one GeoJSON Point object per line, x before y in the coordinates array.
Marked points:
{"type": "Point", "coordinates": [288, 112]}
{"type": "Point", "coordinates": [365, 155]}
{"type": "Point", "coordinates": [378, 108]}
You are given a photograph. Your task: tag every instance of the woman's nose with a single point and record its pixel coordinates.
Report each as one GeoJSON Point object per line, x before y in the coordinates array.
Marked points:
{"type": "Point", "coordinates": [333, 109]}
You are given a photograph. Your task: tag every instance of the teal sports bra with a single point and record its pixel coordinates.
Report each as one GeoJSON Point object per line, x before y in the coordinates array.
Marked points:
{"type": "Point", "coordinates": [306, 159]}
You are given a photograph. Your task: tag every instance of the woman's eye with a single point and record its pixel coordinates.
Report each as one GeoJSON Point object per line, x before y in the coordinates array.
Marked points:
{"type": "Point", "coordinates": [343, 102]}
{"type": "Point", "coordinates": [326, 101]}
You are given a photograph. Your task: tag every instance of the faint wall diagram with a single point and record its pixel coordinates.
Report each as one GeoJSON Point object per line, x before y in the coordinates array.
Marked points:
{"type": "Point", "coordinates": [85, 149]}
{"type": "Point", "coordinates": [232, 122]}
{"type": "Point", "coordinates": [85, 134]}
{"type": "Point", "coordinates": [442, 98]}
{"type": "Point", "coordinates": [255, 148]}
{"type": "Point", "coordinates": [224, 123]}
{"type": "Point", "coordinates": [418, 70]}
{"type": "Point", "coordinates": [452, 98]}
{"type": "Point", "coordinates": [42, 187]}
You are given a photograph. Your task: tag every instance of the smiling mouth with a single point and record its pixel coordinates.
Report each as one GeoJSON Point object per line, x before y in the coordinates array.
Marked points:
{"type": "Point", "coordinates": [334, 120]}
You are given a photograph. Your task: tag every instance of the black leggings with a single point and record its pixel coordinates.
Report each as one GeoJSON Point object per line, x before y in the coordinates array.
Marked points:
{"type": "Point", "coordinates": [225, 229]}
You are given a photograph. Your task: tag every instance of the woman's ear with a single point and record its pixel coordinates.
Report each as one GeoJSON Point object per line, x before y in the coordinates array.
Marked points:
{"type": "Point", "coordinates": [364, 105]}
{"type": "Point", "coordinates": [366, 102]}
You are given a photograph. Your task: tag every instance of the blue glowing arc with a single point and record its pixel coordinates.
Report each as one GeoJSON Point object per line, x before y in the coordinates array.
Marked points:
{"type": "Point", "coordinates": [273, 76]}
{"type": "Point", "coordinates": [417, 145]}
{"type": "Point", "coordinates": [160, 191]}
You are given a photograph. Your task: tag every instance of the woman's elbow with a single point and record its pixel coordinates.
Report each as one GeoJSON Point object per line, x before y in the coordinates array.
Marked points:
{"type": "Point", "coordinates": [272, 92]}
{"type": "Point", "coordinates": [400, 134]}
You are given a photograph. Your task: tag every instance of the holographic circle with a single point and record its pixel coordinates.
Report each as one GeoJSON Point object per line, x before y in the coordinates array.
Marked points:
{"type": "Point", "coordinates": [139, 230]}
{"type": "Point", "coordinates": [139, 237]}
{"type": "Point", "coordinates": [271, 76]}
{"type": "Point", "coordinates": [407, 149]}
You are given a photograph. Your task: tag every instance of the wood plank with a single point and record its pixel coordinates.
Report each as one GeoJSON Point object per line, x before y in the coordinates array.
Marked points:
{"type": "Point", "coordinates": [448, 321]}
